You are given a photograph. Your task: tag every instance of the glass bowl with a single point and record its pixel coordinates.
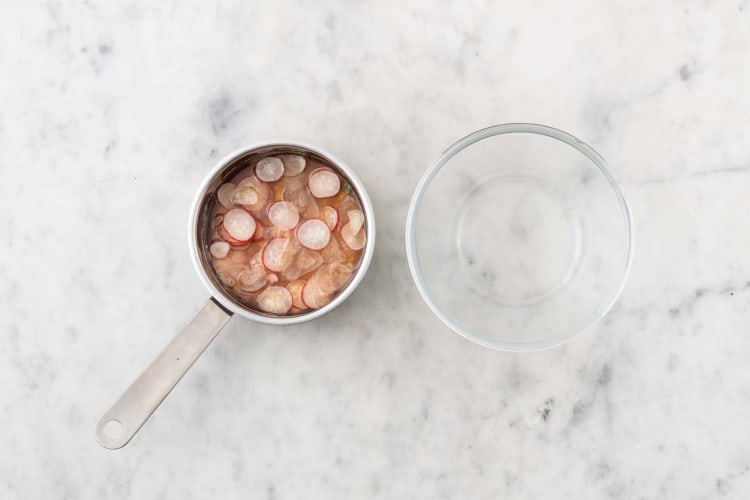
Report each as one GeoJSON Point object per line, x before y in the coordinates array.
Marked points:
{"type": "Point", "coordinates": [519, 238]}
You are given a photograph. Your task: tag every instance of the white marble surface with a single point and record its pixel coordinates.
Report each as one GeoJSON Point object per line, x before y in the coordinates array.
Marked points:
{"type": "Point", "coordinates": [112, 112]}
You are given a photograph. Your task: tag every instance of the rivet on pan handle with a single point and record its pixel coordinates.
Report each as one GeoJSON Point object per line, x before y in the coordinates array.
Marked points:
{"type": "Point", "coordinates": [120, 423]}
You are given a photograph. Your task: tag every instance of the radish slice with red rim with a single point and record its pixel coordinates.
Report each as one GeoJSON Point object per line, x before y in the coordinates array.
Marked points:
{"type": "Point", "coordinates": [332, 277]}
{"type": "Point", "coordinates": [275, 300]}
{"type": "Point", "coordinates": [356, 219]}
{"type": "Point", "coordinates": [295, 288]}
{"type": "Point", "coordinates": [219, 249]}
{"type": "Point", "coordinates": [283, 215]}
{"type": "Point", "coordinates": [330, 216]}
{"type": "Point", "coordinates": [312, 296]}
{"type": "Point", "coordinates": [313, 234]}
{"type": "Point", "coordinates": [354, 240]}
{"type": "Point", "coordinates": [269, 169]}
{"type": "Point", "coordinates": [293, 164]}
{"type": "Point", "coordinates": [279, 254]}
{"type": "Point", "coordinates": [324, 182]}
{"type": "Point", "coordinates": [239, 224]}
{"type": "Point", "coordinates": [225, 194]}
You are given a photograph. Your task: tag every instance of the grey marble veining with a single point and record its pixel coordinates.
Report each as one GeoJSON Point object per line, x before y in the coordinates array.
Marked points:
{"type": "Point", "coordinates": [111, 114]}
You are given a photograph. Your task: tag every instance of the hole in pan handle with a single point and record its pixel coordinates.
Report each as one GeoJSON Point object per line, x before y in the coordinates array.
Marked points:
{"type": "Point", "coordinates": [120, 423]}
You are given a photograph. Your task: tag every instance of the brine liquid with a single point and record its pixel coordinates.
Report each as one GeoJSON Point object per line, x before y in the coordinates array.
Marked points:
{"type": "Point", "coordinates": [288, 234]}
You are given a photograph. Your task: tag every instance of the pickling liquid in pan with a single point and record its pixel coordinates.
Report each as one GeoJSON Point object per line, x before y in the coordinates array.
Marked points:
{"type": "Point", "coordinates": [288, 233]}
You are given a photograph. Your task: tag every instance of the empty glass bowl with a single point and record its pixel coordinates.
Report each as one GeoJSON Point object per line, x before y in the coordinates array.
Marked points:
{"type": "Point", "coordinates": [519, 238]}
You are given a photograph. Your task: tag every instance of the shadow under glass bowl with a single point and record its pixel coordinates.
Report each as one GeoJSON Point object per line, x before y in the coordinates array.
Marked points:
{"type": "Point", "coordinates": [519, 238]}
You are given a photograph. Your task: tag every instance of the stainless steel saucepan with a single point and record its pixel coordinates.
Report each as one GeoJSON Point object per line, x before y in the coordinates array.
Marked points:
{"type": "Point", "coordinates": [121, 422]}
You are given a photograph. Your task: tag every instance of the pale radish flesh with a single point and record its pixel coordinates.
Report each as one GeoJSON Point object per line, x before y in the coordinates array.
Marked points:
{"type": "Point", "coordinates": [308, 261]}
{"type": "Point", "coordinates": [324, 183]}
{"type": "Point", "coordinates": [354, 240]}
{"type": "Point", "coordinates": [333, 252]}
{"type": "Point", "coordinates": [313, 297]}
{"type": "Point", "coordinates": [313, 234]}
{"type": "Point", "coordinates": [246, 195]}
{"type": "Point", "coordinates": [287, 234]}
{"type": "Point", "coordinates": [301, 198]}
{"type": "Point", "coordinates": [263, 190]}
{"type": "Point", "coordinates": [219, 249]}
{"type": "Point", "coordinates": [283, 215]}
{"type": "Point", "coordinates": [275, 300]}
{"type": "Point", "coordinates": [356, 219]}
{"type": "Point", "coordinates": [227, 271]}
{"type": "Point", "coordinates": [293, 164]}
{"type": "Point", "coordinates": [295, 288]}
{"type": "Point", "coordinates": [251, 280]}
{"type": "Point", "coordinates": [225, 193]}
{"type": "Point", "coordinates": [330, 216]}
{"type": "Point", "coordinates": [239, 224]}
{"type": "Point", "coordinates": [348, 203]}
{"type": "Point", "coordinates": [279, 254]}
{"type": "Point", "coordinates": [269, 169]}
{"type": "Point", "coordinates": [332, 277]}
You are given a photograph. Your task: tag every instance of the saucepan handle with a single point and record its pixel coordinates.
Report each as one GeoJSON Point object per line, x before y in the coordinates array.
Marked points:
{"type": "Point", "coordinates": [120, 423]}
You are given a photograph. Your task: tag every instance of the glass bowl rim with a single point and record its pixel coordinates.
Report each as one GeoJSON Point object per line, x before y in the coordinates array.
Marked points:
{"type": "Point", "coordinates": [474, 137]}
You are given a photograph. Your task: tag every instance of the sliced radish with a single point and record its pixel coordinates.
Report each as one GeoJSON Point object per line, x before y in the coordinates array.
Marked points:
{"type": "Point", "coordinates": [244, 174]}
{"type": "Point", "coordinates": [308, 261]}
{"type": "Point", "coordinates": [251, 280]}
{"type": "Point", "coordinates": [275, 300]}
{"type": "Point", "coordinates": [291, 273]}
{"type": "Point", "coordinates": [246, 195]}
{"type": "Point", "coordinates": [290, 186]}
{"type": "Point", "coordinates": [332, 277]}
{"type": "Point", "coordinates": [227, 271]}
{"type": "Point", "coordinates": [295, 193]}
{"type": "Point", "coordinates": [295, 288]}
{"type": "Point", "coordinates": [313, 297]}
{"type": "Point", "coordinates": [256, 261]}
{"type": "Point", "coordinates": [283, 215]}
{"type": "Point", "coordinates": [347, 204]}
{"type": "Point", "coordinates": [239, 224]}
{"type": "Point", "coordinates": [224, 235]}
{"type": "Point", "coordinates": [330, 216]}
{"type": "Point", "coordinates": [264, 191]}
{"type": "Point", "coordinates": [272, 278]}
{"type": "Point", "coordinates": [238, 257]}
{"type": "Point", "coordinates": [225, 194]}
{"type": "Point", "coordinates": [269, 169]}
{"type": "Point", "coordinates": [324, 182]}
{"type": "Point", "coordinates": [293, 164]}
{"type": "Point", "coordinates": [314, 234]}
{"type": "Point", "coordinates": [259, 231]}
{"type": "Point", "coordinates": [356, 219]}
{"type": "Point", "coordinates": [272, 232]}
{"type": "Point", "coordinates": [279, 254]}
{"type": "Point", "coordinates": [332, 252]}
{"type": "Point", "coordinates": [355, 241]}
{"type": "Point", "coordinates": [219, 249]}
